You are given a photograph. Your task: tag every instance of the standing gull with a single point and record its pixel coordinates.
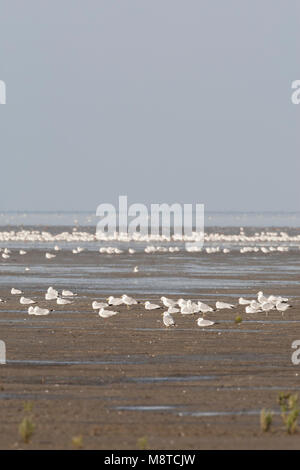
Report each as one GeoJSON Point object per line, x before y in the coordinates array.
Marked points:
{"type": "Point", "coordinates": [168, 319]}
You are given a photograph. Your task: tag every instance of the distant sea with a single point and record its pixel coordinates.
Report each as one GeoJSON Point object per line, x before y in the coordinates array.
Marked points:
{"type": "Point", "coordinates": [212, 219]}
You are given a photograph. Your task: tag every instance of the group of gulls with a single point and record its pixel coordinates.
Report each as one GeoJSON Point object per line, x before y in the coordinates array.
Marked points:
{"type": "Point", "coordinates": [151, 249]}
{"type": "Point", "coordinates": [51, 294]}
{"type": "Point", "coordinates": [185, 307]}
{"type": "Point", "coordinates": [80, 236]}
{"type": "Point", "coordinates": [265, 304]}
{"type": "Point", "coordinates": [188, 307]}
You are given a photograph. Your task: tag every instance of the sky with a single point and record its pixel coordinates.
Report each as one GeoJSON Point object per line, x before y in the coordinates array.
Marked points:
{"type": "Point", "coordinates": [160, 100]}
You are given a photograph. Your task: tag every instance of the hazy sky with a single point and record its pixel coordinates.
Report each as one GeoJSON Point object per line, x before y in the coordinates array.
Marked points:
{"type": "Point", "coordinates": [160, 100]}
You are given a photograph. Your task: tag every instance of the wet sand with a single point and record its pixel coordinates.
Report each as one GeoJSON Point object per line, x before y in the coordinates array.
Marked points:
{"type": "Point", "coordinates": [128, 377]}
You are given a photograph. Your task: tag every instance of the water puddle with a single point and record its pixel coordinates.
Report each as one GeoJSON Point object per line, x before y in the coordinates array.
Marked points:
{"type": "Point", "coordinates": [255, 389]}
{"type": "Point", "coordinates": [33, 396]}
{"type": "Point", "coordinates": [196, 414]}
{"type": "Point", "coordinates": [190, 378]}
{"type": "Point", "coordinates": [264, 360]}
{"type": "Point", "coordinates": [71, 363]}
{"type": "Point", "coordinates": [210, 414]}
{"type": "Point", "coordinates": [216, 330]}
{"type": "Point", "coordinates": [147, 408]}
{"type": "Point", "coordinates": [272, 322]}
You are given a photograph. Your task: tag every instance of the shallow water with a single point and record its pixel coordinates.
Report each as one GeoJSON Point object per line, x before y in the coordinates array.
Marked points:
{"type": "Point", "coordinates": [259, 359]}
{"type": "Point", "coordinates": [195, 414]}
{"type": "Point", "coordinates": [158, 274]}
{"type": "Point", "coordinates": [188, 378]}
{"type": "Point", "coordinates": [211, 414]}
{"type": "Point", "coordinates": [177, 274]}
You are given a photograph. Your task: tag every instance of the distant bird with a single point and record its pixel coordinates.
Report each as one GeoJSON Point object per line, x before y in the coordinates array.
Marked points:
{"type": "Point", "coordinates": [136, 269]}
{"type": "Point", "coordinates": [255, 304]}
{"type": "Point", "coordinates": [204, 308]}
{"type": "Point", "coordinates": [168, 319]}
{"type": "Point", "coordinates": [283, 299]}
{"type": "Point", "coordinates": [277, 298]}
{"type": "Point", "coordinates": [267, 306]}
{"type": "Point", "coordinates": [67, 293]}
{"type": "Point", "coordinates": [189, 308]}
{"type": "Point", "coordinates": [173, 310]}
{"type": "Point", "coordinates": [202, 322]}
{"type": "Point", "coordinates": [22, 252]}
{"type": "Point", "coordinates": [252, 309]}
{"type": "Point", "coordinates": [61, 301]}
{"type": "Point", "coordinates": [49, 255]}
{"type": "Point", "coordinates": [223, 305]}
{"type": "Point", "coordinates": [38, 311]}
{"type": "Point", "coordinates": [77, 250]}
{"type": "Point", "coordinates": [243, 301]}
{"type": "Point", "coordinates": [128, 300]}
{"type": "Point", "coordinates": [168, 302]}
{"type": "Point", "coordinates": [16, 291]}
{"type": "Point", "coordinates": [282, 306]}
{"type": "Point", "coordinates": [50, 289]}
{"type": "Point", "coordinates": [25, 301]}
{"type": "Point", "coordinates": [97, 305]}
{"type": "Point", "coordinates": [149, 306]}
{"type": "Point", "coordinates": [261, 298]}
{"type": "Point", "coordinates": [51, 294]}
{"type": "Point", "coordinates": [114, 300]}
{"type": "Point", "coordinates": [106, 313]}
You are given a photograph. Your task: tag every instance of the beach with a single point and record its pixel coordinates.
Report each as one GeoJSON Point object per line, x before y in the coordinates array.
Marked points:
{"type": "Point", "coordinates": [128, 382]}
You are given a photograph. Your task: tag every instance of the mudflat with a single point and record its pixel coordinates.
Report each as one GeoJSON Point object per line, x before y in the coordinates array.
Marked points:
{"type": "Point", "coordinates": [128, 381]}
